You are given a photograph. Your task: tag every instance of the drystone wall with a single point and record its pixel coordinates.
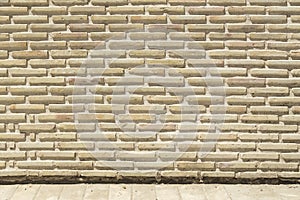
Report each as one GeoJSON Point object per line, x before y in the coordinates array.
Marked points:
{"type": "Point", "coordinates": [149, 90]}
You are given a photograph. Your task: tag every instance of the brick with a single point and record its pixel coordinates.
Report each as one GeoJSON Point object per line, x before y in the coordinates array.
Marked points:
{"type": "Point", "coordinates": [269, 110]}
{"type": "Point", "coordinates": [13, 11]}
{"type": "Point", "coordinates": [269, 36]}
{"type": "Point", "coordinates": [7, 100]}
{"type": "Point", "coordinates": [237, 166]}
{"type": "Point", "coordinates": [277, 128]}
{"type": "Point", "coordinates": [161, 9]}
{"type": "Point", "coordinates": [227, 2]}
{"type": "Point", "coordinates": [68, 3]}
{"type": "Point", "coordinates": [57, 10]}
{"type": "Point", "coordinates": [109, 3]}
{"type": "Point", "coordinates": [238, 10]}
{"type": "Point", "coordinates": [238, 147]}
{"type": "Point", "coordinates": [270, 73]}
{"type": "Point", "coordinates": [59, 155]}
{"type": "Point", "coordinates": [29, 36]}
{"type": "Point", "coordinates": [126, 10]}
{"type": "Point", "coordinates": [267, 54]}
{"type": "Point", "coordinates": [187, 36]}
{"type": "Point", "coordinates": [46, 99]}
{"type": "Point", "coordinates": [48, 27]}
{"type": "Point", "coordinates": [66, 19]}
{"type": "Point", "coordinates": [166, 81]}
{"type": "Point", "coordinates": [24, 127]}
{"type": "Point", "coordinates": [35, 164]}
{"type": "Point", "coordinates": [35, 146]}
{"type": "Point", "coordinates": [16, 137]}
{"type": "Point", "coordinates": [206, 10]}
{"type": "Point", "coordinates": [188, 2]}
{"type": "Point", "coordinates": [183, 19]}
{"type": "Point", "coordinates": [273, 166]}
{"type": "Point", "coordinates": [30, 54]}
{"type": "Point", "coordinates": [269, 91]}
{"type": "Point", "coordinates": [13, 155]}
{"type": "Point", "coordinates": [12, 81]}
{"type": "Point", "coordinates": [268, 3]}
{"type": "Point", "coordinates": [291, 82]}
{"type": "Point", "coordinates": [263, 19]}
{"type": "Point", "coordinates": [24, 90]}
{"type": "Point", "coordinates": [203, 166]}
{"type": "Point", "coordinates": [206, 28]}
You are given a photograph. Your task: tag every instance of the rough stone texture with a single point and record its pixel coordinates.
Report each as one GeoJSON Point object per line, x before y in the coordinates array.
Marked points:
{"type": "Point", "coordinates": [149, 90]}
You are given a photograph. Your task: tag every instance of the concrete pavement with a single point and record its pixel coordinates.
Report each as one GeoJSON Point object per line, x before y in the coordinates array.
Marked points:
{"type": "Point", "coordinates": [148, 192]}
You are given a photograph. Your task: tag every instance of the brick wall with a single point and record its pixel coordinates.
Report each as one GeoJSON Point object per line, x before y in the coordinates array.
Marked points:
{"type": "Point", "coordinates": [149, 90]}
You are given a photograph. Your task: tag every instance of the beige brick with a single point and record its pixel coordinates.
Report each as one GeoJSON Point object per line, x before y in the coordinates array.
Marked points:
{"type": "Point", "coordinates": [238, 127]}
{"type": "Point", "coordinates": [15, 137]}
{"type": "Point", "coordinates": [13, 46]}
{"type": "Point", "coordinates": [269, 110]}
{"type": "Point", "coordinates": [30, 54]}
{"type": "Point", "coordinates": [237, 166]}
{"type": "Point", "coordinates": [109, 19]}
{"type": "Point", "coordinates": [13, 155]}
{"type": "Point", "coordinates": [265, 137]}
{"type": "Point", "coordinates": [4, 36]}
{"type": "Point", "coordinates": [238, 10]}
{"type": "Point", "coordinates": [284, 101]}
{"type": "Point", "coordinates": [219, 109]}
{"type": "Point", "coordinates": [109, 3]}
{"type": "Point", "coordinates": [24, 90]}
{"type": "Point", "coordinates": [269, 36]}
{"type": "Point", "coordinates": [46, 81]}
{"type": "Point", "coordinates": [29, 36]}
{"type": "Point", "coordinates": [277, 128]}
{"type": "Point", "coordinates": [161, 9]}
{"type": "Point", "coordinates": [57, 10]}
{"type": "Point", "coordinates": [206, 10]}
{"type": "Point", "coordinates": [145, 2]}
{"type": "Point", "coordinates": [236, 100]}
{"type": "Point", "coordinates": [37, 127]}
{"type": "Point", "coordinates": [184, 19]}
{"type": "Point", "coordinates": [29, 3]}
{"type": "Point", "coordinates": [47, 27]}
{"type": "Point", "coordinates": [273, 166]}
{"type": "Point", "coordinates": [147, 109]}
{"type": "Point", "coordinates": [7, 100]}
{"type": "Point", "coordinates": [263, 19]}
{"type": "Point", "coordinates": [201, 166]}
{"type": "Point", "coordinates": [269, 91]}
{"type": "Point", "coordinates": [13, 11]}
{"type": "Point", "coordinates": [237, 147]}
{"type": "Point", "coordinates": [88, 10]}
{"type": "Point", "coordinates": [244, 45]}
{"type": "Point", "coordinates": [227, 2]}
{"type": "Point", "coordinates": [268, 3]}
{"type": "Point", "coordinates": [58, 155]}
{"type": "Point", "coordinates": [99, 155]}
{"type": "Point", "coordinates": [34, 164]}
{"type": "Point", "coordinates": [66, 19]}
{"type": "Point", "coordinates": [35, 145]}
{"type": "Point", "coordinates": [46, 99]}
{"type": "Point", "coordinates": [68, 3]}
{"type": "Point", "coordinates": [290, 119]}
{"type": "Point", "coordinates": [126, 10]}
{"type": "Point", "coordinates": [3, 54]}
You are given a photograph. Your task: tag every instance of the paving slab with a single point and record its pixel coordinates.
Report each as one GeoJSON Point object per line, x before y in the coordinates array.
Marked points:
{"type": "Point", "coordinates": [25, 192]}
{"type": "Point", "coordinates": [149, 192]}
{"type": "Point", "coordinates": [96, 191]}
{"type": "Point", "coordinates": [49, 192]}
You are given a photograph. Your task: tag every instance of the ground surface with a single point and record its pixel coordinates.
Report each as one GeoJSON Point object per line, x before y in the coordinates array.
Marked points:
{"type": "Point", "coordinates": [151, 192]}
